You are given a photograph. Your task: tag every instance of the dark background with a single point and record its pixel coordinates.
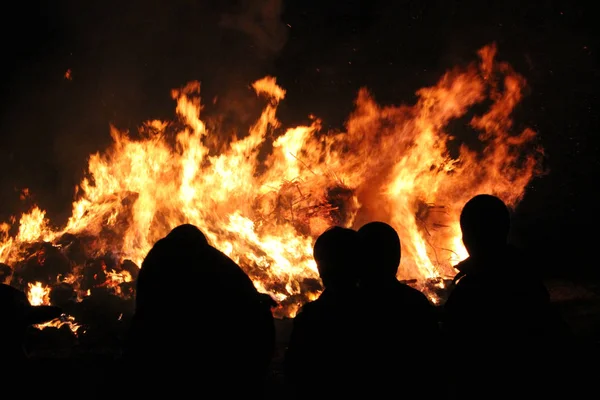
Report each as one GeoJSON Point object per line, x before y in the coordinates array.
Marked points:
{"type": "Point", "coordinates": [126, 56]}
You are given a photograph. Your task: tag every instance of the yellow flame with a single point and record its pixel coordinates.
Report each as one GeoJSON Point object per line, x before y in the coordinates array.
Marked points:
{"type": "Point", "coordinates": [398, 164]}
{"type": "Point", "coordinates": [38, 294]}
{"type": "Point", "coordinates": [65, 320]}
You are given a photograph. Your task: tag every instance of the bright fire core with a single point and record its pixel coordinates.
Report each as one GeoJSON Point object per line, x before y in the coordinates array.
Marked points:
{"type": "Point", "coordinates": [397, 164]}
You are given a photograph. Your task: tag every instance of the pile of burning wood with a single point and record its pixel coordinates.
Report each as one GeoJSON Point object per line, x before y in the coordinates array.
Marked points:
{"type": "Point", "coordinates": [95, 292]}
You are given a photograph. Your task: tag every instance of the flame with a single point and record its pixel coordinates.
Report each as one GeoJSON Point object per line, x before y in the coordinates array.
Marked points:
{"type": "Point", "coordinates": [64, 320]}
{"type": "Point", "coordinates": [38, 294]}
{"type": "Point", "coordinates": [399, 164]}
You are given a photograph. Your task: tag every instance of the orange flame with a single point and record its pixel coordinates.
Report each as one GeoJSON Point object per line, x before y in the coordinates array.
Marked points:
{"type": "Point", "coordinates": [398, 164]}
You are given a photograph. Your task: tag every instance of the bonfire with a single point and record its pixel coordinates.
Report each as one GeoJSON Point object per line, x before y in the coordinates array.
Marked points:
{"type": "Point", "coordinates": [263, 196]}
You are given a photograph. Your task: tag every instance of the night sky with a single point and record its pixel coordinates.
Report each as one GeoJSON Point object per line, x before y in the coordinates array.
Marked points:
{"type": "Point", "coordinates": [126, 56]}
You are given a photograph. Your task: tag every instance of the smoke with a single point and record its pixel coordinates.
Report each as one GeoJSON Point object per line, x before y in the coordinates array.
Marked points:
{"type": "Point", "coordinates": [261, 21]}
{"type": "Point", "coordinates": [257, 34]}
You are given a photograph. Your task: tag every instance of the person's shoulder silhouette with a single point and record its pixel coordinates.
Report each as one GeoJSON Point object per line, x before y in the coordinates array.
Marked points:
{"type": "Point", "coordinates": [326, 333]}
{"type": "Point", "coordinates": [400, 322]}
{"type": "Point", "coordinates": [498, 308]}
{"type": "Point", "coordinates": [485, 226]}
{"type": "Point", "coordinates": [337, 255]}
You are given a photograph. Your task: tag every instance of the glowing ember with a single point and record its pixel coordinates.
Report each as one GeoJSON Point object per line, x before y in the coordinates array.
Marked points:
{"type": "Point", "coordinates": [39, 294]}
{"type": "Point", "coordinates": [64, 320]}
{"type": "Point", "coordinates": [398, 164]}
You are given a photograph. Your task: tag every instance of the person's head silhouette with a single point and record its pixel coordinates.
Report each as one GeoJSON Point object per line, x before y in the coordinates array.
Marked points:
{"type": "Point", "coordinates": [382, 251]}
{"type": "Point", "coordinates": [187, 235]}
{"type": "Point", "coordinates": [337, 254]}
{"type": "Point", "coordinates": [485, 224]}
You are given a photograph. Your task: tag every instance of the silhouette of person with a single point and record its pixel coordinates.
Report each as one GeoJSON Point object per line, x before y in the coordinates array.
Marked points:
{"type": "Point", "coordinates": [323, 356]}
{"type": "Point", "coordinates": [199, 322]}
{"type": "Point", "coordinates": [403, 330]}
{"type": "Point", "coordinates": [17, 315]}
{"type": "Point", "coordinates": [498, 315]}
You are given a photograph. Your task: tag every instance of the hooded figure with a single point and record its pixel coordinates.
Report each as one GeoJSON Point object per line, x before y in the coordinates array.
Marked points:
{"type": "Point", "coordinates": [199, 313]}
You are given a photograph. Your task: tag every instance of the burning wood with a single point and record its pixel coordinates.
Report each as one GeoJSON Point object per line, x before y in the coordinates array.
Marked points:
{"type": "Point", "coordinates": [63, 274]}
{"type": "Point", "coordinates": [5, 272]}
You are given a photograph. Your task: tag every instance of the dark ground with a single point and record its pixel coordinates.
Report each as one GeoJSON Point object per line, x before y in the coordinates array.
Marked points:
{"type": "Point", "coordinates": [95, 359]}
{"type": "Point", "coordinates": [578, 302]}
